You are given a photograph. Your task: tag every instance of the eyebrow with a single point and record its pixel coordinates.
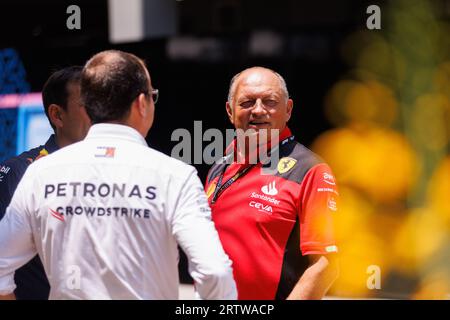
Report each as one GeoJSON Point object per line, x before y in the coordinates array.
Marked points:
{"type": "Point", "coordinates": [263, 96]}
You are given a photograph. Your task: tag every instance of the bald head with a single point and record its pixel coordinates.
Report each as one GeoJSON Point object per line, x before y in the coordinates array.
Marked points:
{"type": "Point", "coordinates": [252, 74]}
{"type": "Point", "coordinates": [111, 80]}
{"type": "Point", "coordinates": [258, 99]}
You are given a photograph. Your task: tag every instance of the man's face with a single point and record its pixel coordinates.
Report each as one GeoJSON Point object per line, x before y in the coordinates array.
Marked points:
{"type": "Point", "coordinates": [75, 121]}
{"type": "Point", "coordinates": [259, 102]}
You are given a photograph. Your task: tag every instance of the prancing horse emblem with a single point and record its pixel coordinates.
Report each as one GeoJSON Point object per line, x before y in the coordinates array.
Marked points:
{"type": "Point", "coordinates": [285, 164]}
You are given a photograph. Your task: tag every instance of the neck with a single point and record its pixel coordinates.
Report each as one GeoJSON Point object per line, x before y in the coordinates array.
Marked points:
{"type": "Point", "coordinates": [249, 151]}
{"type": "Point", "coordinates": [62, 141]}
{"type": "Point", "coordinates": [255, 148]}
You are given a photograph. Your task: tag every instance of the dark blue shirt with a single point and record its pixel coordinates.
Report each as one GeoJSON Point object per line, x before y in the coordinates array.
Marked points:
{"type": "Point", "coordinates": [31, 281]}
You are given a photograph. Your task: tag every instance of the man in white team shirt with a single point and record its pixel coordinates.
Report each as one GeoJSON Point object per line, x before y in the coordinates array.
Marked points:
{"type": "Point", "coordinates": [106, 214]}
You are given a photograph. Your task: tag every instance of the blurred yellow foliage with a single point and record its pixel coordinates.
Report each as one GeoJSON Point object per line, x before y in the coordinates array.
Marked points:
{"type": "Point", "coordinates": [439, 193]}
{"type": "Point", "coordinates": [350, 101]}
{"type": "Point", "coordinates": [378, 161]}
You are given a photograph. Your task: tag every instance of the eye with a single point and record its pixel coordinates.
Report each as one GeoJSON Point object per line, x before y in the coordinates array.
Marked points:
{"type": "Point", "coordinates": [247, 104]}
{"type": "Point", "coordinates": [270, 103]}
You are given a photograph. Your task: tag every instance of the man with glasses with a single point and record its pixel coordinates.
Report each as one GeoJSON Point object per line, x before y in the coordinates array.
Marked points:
{"type": "Point", "coordinates": [106, 214]}
{"type": "Point", "coordinates": [275, 220]}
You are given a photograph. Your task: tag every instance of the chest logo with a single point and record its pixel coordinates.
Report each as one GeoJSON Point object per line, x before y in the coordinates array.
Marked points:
{"type": "Point", "coordinates": [57, 215]}
{"type": "Point", "coordinates": [261, 207]}
{"type": "Point", "coordinates": [285, 164]}
{"type": "Point", "coordinates": [270, 189]}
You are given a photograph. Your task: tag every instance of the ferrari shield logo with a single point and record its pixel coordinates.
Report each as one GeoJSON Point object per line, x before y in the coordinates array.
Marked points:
{"type": "Point", "coordinates": [285, 164]}
{"type": "Point", "coordinates": [211, 189]}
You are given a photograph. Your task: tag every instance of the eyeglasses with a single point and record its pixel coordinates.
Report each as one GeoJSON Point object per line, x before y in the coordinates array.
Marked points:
{"type": "Point", "coordinates": [155, 95]}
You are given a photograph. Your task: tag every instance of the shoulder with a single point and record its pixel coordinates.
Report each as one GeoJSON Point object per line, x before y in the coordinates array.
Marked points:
{"type": "Point", "coordinates": [296, 161]}
{"type": "Point", "coordinates": [15, 167]}
{"type": "Point", "coordinates": [167, 164]}
{"type": "Point", "coordinates": [11, 172]}
{"type": "Point", "coordinates": [131, 155]}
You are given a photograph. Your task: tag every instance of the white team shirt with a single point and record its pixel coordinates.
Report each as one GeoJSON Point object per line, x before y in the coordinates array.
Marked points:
{"type": "Point", "coordinates": [105, 216]}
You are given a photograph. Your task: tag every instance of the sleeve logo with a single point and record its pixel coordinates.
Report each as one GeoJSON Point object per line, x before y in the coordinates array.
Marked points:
{"type": "Point", "coordinates": [4, 170]}
{"type": "Point", "coordinates": [328, 178]}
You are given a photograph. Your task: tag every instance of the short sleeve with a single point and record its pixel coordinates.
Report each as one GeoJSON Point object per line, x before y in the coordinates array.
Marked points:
{"type": "Point", "coordinates": [319, 199]}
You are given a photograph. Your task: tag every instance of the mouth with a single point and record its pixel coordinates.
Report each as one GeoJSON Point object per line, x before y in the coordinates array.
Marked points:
{"type": "Point", "coordinates": [258, 124]}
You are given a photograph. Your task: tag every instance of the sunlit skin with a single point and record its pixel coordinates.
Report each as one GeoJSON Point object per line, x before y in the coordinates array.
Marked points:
{"type": "Point", "coordinates": [142, 112]}
{"type": "Point", "coordinates": [259, 102]}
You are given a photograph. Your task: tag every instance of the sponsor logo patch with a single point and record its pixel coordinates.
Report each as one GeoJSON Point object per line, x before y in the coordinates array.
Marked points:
{"type": "Point", "coordinates": [332, 204]}
{"type": "Point", "coordinates": [57, 215]}
{"type": "Point", "coordinates": [265, 198]}
{"type": "Point", "coordinates": [328, 178]}
{"type": "Point", "coordinates": [105, 152]}
{"type": "Point", "coordinates": [270, 189]}
{"type": "Point", "coordinates": [261, 207]}
{"type": "Point", "coordinates": [4, 170]}
{"type": "Point", "coordinates": [331, 249]}
{"type": "Point", "coordinates": [285, 164]}
{"type": "Point", "coordinates": [327, 190]}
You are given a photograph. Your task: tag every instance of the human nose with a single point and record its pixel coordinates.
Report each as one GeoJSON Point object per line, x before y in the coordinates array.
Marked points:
{"type": "Point", "coordinates": [259, 107]}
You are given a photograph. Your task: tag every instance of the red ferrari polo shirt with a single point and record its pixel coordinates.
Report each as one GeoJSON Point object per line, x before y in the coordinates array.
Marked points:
{"type": "Point", "coordinates": [270, 220]}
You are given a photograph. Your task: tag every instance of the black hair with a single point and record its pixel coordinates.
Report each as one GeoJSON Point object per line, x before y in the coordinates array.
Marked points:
{"type": "Point", "coordinates": [110, 82]}
{"type": "Point", "coordinates": [55, 90]}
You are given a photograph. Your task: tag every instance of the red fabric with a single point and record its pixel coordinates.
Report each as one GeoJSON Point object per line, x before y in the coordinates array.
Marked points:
{"type": "Point", "coordinates": [254, 227]}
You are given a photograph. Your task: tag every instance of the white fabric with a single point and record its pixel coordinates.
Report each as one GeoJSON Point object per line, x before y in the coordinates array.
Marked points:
{"type": "Point", "coordinates": [97, 246]}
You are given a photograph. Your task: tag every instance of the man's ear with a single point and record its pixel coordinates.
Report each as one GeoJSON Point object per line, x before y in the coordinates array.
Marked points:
{"type": "Point", "coordinates": [142, 104]}
{"type": "Point", "coordinates": [290, 106]}
{"type": "Point", "coordinates": [54, 114]}
{"type": "Point", "coordinates": [229, 112]}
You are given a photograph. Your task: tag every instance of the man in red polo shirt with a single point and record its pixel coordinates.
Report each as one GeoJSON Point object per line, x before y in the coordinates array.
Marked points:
{"type": "Point", "coordinates": [275, 220]}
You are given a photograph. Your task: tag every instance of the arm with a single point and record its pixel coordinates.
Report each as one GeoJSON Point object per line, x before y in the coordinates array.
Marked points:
{"type": "Point", "coordinates": [8, 183]}
{"type": "Point", "coordinates": [195, 232]}
{"type": "Point", "coordinates": [17, 246]}
{"type": "Point", "coordinates": [10, 296]}
{"type": "Point", "coordinates": [10, 175]}
{"type": "Point", "coordinates": [317, 279]}
{"type": "Point", "coordinates": [317, 211]}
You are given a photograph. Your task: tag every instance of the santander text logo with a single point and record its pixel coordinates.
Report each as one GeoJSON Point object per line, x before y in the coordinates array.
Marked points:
{"type": "Point", "coordinates": [270, 189]}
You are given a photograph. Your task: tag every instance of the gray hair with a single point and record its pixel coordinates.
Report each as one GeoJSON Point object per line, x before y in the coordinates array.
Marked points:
{"type": "Point", "coordinates": [232, 88]}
